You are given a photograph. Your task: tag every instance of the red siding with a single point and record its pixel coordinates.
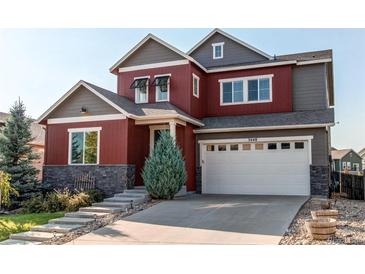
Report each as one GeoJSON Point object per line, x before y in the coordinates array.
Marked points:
{"type": "Point", "coordinates": [113, 142]}
{"type": "Point", "coordinates": [179, 84]}
{"type": "Point", "coordinates": [138, 147]}
{"type": "Point", "coordinates": [281, 92]}
{"type": "Point", "coordinates": [198, 105]}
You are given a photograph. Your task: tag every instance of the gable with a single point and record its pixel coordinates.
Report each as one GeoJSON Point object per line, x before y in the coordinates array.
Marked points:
{"type": "Point", "coordinates": [352, 156]}
{"type": "Point", "coordinates": [82, 97]}
{"type": "Point", "coordinates": [151, 52]}
{"type": "Point", "coordinates": [234, 53]}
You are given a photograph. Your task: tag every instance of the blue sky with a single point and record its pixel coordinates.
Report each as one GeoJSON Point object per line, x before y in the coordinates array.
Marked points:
{"type": "Point", "coordinates": [40, 65]}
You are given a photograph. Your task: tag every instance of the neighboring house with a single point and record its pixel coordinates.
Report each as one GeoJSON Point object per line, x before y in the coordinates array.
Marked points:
{"type": "Point", "coordinates": [362, 155]}
{"type": "Point", "coordinates": [247, 122]}
{"type": "Point", "coordinates": [37, 144]}
{"type": "Point", "coordinates": [346, 160]}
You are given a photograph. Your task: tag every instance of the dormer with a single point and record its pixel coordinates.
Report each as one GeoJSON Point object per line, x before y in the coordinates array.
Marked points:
{"type": "Point", "coordinates": [219, 48]}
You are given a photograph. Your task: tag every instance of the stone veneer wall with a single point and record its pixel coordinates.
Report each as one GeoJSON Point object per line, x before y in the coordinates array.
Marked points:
{"type": "Point", "coordinates": [319, 178]}
{"type": "Point", "coordinates": [110, 179]}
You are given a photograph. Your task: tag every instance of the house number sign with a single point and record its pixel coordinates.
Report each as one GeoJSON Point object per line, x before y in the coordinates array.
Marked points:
{"type": "Point", "coordinates": [252, 140]}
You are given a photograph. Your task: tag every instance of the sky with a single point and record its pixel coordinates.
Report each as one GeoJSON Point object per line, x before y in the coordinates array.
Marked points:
{"type": "Point", "coordinates": [40, 65]}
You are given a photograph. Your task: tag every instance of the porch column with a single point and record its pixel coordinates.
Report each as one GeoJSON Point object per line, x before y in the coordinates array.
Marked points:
{"type": "Point", "coordinates": [173, 129]}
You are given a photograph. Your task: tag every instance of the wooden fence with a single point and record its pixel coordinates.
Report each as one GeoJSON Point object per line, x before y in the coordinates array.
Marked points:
{"type": "Point", "coordinates": [350, 184]}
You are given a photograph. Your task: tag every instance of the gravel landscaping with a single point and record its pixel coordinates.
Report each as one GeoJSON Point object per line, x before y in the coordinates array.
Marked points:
{"type": "Point", "coordinates": [350, 224]}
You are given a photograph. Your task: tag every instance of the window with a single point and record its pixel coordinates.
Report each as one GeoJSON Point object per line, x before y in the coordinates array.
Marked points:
{"type": "Point", "coordinates": [285, 145]}
{"type": "Point", "coordinates": [246, 90]}
{"type": "Point", "coordinates": [210, 147]}
{"type": "Point", "coordinates": [218, 50]}
{"type": "Point", "coordinates": [196, 85]}
{"type": "Point", "coordinates": [259, 146]}
{"type": "Point", "coordinates": [84, 146]}
{"type": "Point", "coordinates": [299, 145]}
{"type": "Point", "coordinates": [259, 90]}
{"type": "Point", "coordinates": [233, 92]}
{"type": "Point", "coordinates": [246, 146]}
{"type": "Point", "coordinates": [162, 84]}
{"type": "Point", "coordinates": [344, 165]}
{"type": "Point", "coordinates": [271, 146]}
{"type": "Point", "coordinates": [222, 148]}
{"type": "Point", "coordinates": [356, 166]}
{"type": "Point", "coordinates": [140, 86]}
{"type": "Point", "coordinates": [234, 147]}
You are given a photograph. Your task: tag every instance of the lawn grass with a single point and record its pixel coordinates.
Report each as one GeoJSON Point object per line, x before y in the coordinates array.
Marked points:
{"type": "Point", "coordinates": [10, 224]}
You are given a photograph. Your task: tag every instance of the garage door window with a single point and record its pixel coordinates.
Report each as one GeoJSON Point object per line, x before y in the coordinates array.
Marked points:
{"type": "Point", "coordinates": [259, 146]}
{"type": "Point", "coordinates": [246, 147]}
{"type": "Point", "coordinates": [299, 145]}
{"type": "Point", "coordinates": [234, 147]}
{"type": "Point", "coordinates": [285, 145]}
{"type": "Point", "coordinates": [222, 148]}
{"type": "Point", "coordinates": [271, 146]}
{"type": "Point", "coordinates": [210, 147]}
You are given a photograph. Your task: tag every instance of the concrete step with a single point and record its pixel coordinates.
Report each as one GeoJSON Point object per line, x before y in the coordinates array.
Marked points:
{"type": "Point", "coordinates": [19, 242]}
{"type": "Point", "coordinates": [83, 214]}
{"type": "Point", "coordinates": [131, 195]}
{"type": "Point", "coordinates": [139, 187]}
{"type": "Point", "coordinates": [34, 236]}
{"type": "Point", "coordinates": [58, 228]}
{"type": "Point", "coordinates": [101, 209]}
{"type": "Point", "coordinates": [73, 221]}
{"type": "Point", "coordinates": [136, 191]}
{"type": "Point", "coordinates": [123, 199]}
{"type": "Point", "coordinates": [122, 205]}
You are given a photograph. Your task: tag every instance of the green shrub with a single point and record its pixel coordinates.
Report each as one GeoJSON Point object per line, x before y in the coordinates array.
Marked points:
{"type": "Point", "coordinates": [77, 200]}
{"type": "Point", "coordinates": [164, 171]}
{"type": "Point", "coordinates": [96, 196]}
{"type": "Point", "coordinates": [33, 205]}
{"type": "Point", "coordinates": [55, 201]}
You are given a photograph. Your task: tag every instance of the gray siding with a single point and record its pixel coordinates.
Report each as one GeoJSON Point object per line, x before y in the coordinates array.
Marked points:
{"type": "Point", "coordinates": [309, 87]}
{"type": "Point", "coordinates": [149, 53]}
{"type": "Point", "coordinates": [319, 143]}
{"type": "Point", "coordinates": [233, 53]}
{"type": "Point", "coordinates": [82, 97]}
{"type": "Point", "coordinates": [352, 157]}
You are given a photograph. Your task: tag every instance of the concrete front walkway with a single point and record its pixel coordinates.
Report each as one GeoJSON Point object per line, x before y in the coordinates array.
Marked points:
{"type": "Point", "coordinates": [204, 219]}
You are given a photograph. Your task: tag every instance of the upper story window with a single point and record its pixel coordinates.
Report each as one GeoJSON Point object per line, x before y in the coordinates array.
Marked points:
{"type": "Point", "coordinates": [84, 146]}
{"type": "Point", "coordinates": [162, 84]}
{"type": "Point", "coordinates": [246, 90]}
{"type": "Point", "coordinates": [218, 50]}
{"type": "Point", "coordinates": [196, 80]}
{"type": "Point", "coordinates": [140, 85]}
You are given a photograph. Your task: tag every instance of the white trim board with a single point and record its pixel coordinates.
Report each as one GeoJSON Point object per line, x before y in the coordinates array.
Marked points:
{"type": "Point", "coordinates": [257, 140]}
{"type": "Point", "coordinates": [154, 65]}
{"type": "Point", "coordinates": [237, 129]}
{"type": "Point", "coordinates": [92, 118]}
{"type": "Point", "coordinates": [230, 37]}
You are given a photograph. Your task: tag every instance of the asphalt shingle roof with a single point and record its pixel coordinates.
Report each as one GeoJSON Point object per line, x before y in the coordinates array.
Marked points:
{"type": "Point", "coordinates": [272, 119]}
{"type": "Point", "coordinates": [339, 153]}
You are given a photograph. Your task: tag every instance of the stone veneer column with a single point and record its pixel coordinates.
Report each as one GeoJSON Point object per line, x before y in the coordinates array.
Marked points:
{"type": "Point", "coordinates": [319, 180]}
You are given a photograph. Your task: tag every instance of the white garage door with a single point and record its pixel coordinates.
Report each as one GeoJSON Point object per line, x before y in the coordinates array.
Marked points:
{"type": "Point", "coordinates": [267, 168]}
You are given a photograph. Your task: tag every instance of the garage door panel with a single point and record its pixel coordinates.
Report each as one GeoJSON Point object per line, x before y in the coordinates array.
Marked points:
{"type": "Point", "coordinates": [267, 172]}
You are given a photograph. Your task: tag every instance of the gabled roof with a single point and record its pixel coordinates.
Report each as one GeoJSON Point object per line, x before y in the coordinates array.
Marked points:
{"type": "Point", "coordinates": [362, 152]}
{"type": "Point", "coordinates": [307, 56]}
{"type": "Point", "coordinates": [126, 106]}
{"type": "Point", "coordinates": [158, 40]}
{"type": "Point", "coordinates": [340, 153]}
{"type": "Point", "coordinates": [230, 37]}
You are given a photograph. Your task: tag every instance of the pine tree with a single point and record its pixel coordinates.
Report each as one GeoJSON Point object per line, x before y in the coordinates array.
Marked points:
{"type": "Point", "coordinates": [16, 153]}
{"type": "Point", "coordinates": [164, 172]}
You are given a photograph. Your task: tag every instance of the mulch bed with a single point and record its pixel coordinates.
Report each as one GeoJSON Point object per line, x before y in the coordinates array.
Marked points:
{"type": "Point", "coordinates": [98, 224]}
{"type": "Point", "coordinates": [350, 224]}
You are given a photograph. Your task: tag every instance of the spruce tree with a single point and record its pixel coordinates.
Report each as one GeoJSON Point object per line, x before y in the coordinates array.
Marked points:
{"type": "Point", "coordinates": [164, 171]}
{"type": "Point", "coordinates": [16, 154]}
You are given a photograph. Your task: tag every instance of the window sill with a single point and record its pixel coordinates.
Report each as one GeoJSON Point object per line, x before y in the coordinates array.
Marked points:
{"type": "Point", "coordinates": [162, 100]}
{"type": "Point", "coordinates": [246, 103]}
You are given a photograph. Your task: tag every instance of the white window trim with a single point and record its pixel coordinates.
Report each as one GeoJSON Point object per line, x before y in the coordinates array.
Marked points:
{"type": "Point", "coordinates": [136, 90]}
{"type": "Point", "coordinates": [152, 134]}
{"type": "Point", "coordinates": [168, 88]}
{"type": "Point", "coordinates": [214, 45]}
{"type": "Point", "coordinates": [198, 83]}
{"type": "Point", "coordinates": [83, 130]}
{"type": "Point", "coordinates": [245, 89]}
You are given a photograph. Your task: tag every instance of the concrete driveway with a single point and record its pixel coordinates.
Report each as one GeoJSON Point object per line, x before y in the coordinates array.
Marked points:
{"type": "Point", "coordinates": [204, 219]}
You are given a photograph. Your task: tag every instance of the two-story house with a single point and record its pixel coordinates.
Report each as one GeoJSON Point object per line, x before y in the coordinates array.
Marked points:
{"type": "Point", "coordinates": [247, 122]}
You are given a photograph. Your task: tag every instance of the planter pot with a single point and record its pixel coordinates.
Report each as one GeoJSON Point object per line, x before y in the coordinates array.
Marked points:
{"type": "Point", "coordinates": [330, 213]}
{"type": "Point", "coordinates": [321, 228]}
